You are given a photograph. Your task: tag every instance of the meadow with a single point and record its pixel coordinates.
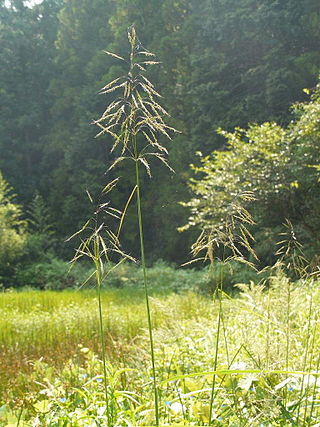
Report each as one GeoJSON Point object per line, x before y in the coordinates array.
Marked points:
{"type": "Point", "coordinates": [254, 352]}
{"type": "Point", "coordinates": [106, 340]}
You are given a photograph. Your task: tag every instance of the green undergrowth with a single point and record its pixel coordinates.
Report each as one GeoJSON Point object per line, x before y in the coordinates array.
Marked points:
{"type": "Point", "coordinates": [267, 368]}
{"type": "Point", "coordinates": [57, 275]}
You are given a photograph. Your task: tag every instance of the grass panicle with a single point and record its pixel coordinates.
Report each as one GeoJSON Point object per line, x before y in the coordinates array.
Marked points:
{"type": "Point", "coordinates": [97, 245]}
{"type": "Point", "coordinates": [135, 121]}
{"type": "Point", "coordinates": [233, 239]}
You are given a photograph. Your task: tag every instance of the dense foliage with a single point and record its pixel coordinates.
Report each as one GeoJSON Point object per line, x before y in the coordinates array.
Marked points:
{"type": "Point", "coordinates": [12, 230]}
{"type": "Point", "coordinates": [224, 64]}
{"type": "Point", "coordinates": [278, 167]}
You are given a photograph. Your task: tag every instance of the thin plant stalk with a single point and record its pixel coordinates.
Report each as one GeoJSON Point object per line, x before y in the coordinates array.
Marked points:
{"type": "Point", "coordinates": [96, 247]}
{"type": "Point", "coordinates": [143, 263]}
{"type": "Point", "coordinates": [232, 235]}
{"type": "Point", "coordinates": [305, 357]}
{"type": "Point", "coordinates": [314, 393]}
{"type": "Point", "coordinates": [98, 274]}
{"type": "Point", "coordinates": [215, 363]}
{"type": "Point", "coordinates": [221, 324]}
{"type": "Point", "coordinates": [224, 328]}
{"type": "Point", "coordinates": [19, 417]}
{"type": "Point", "coordinates": [288, 323]}
{"type": "Point", "coordinates": [314, 334]}
{"type": "Point", "coordinates": [137, 113]}
{"type": "Point", "coordinates": [268, 332]}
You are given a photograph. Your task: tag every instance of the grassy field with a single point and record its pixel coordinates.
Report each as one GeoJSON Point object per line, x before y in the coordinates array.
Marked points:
{"type": "Point", "coordinates": [51, 373]}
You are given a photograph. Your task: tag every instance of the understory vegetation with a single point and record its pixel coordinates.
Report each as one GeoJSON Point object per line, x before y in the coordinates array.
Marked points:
{"type": "Point", "coordinates": [266, 374]}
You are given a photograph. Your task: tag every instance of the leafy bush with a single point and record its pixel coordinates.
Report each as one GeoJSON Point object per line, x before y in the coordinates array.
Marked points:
{"type": "Point", "coordinates": [39, 244]}
{"type": "Point", "coordinates": [164, 278]}
{"type": "Point", "coordinates": [278, 166]}
{"type": "Point", "coordinates": [12, 230]}
{"type": "Point", "coordinates": [55, 274]}
{"type": "Point", "coordinates": [52, 274]}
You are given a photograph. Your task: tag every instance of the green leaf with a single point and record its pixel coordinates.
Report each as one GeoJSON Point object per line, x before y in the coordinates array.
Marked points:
{"type": "Point", "coordinates": [42, 406]}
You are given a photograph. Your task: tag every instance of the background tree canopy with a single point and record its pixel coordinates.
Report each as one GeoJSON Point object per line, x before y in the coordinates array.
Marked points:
{"type": "Point", "coordinates": [278, 166]}
{"type": "Point", "coordinates": [224, 64]}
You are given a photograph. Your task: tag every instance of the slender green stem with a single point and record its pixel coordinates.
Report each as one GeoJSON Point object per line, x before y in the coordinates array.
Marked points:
{"type": "Point", "coordinates": [155, 386]}
{"type": "Point", "coordinates": [288, 324]}
{"type": "Point", "coordinates": [224, 328]}
{"type": "Point", "coordinates": [19, 417]}
{"type": "Point", "coordinates": [268, 331]}
{"type": "Point", "coordinates": [102, 338]}
{"type": "Point", "coordinates": [235, 399]}
{"type": "Point", "coordinates": [314, 334]}
{"type": "Point", "coordinates": [215, 361]}
{"type": "Point", "coordinates": [215, 364]}
{"type": "Point", "coordinates": [314, 394]}
{"type": "Point", "coordinates": [303, 385]}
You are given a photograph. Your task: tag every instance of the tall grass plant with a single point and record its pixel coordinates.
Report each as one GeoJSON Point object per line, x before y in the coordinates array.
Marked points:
{"type": "Point", "coordinates": [135, 120]}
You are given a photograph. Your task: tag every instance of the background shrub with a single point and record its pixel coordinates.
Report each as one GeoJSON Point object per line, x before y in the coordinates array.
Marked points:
{"type": "Point", "coordinates": [53, 274]}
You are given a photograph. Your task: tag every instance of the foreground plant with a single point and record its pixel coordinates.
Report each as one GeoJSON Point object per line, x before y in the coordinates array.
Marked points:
{"type": "Point", "coordinates": [228, 238]}
{"type": "Point", "coordinates": [224, 223]}
{"type": "Point", "coordinates": [230, 181]}
{"type": "Point", "coordinates": [135, 120]}
{"type": "Point", "coordinates": [98, 244]}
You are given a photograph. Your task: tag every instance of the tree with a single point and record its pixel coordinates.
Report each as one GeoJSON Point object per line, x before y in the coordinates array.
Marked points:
{"type": "Point", "coordinates": [74, 159]}
{"type": "Point", "coordinates": [224, 63]}
{"type": "Point", "coordinates": [27, 38]}
{"type": "Point", "coordinates": [12, 230]}
{"type": "Point", "coordinates": [278, 166]}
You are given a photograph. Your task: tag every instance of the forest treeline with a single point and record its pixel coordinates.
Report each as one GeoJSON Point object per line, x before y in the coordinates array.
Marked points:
{"type": "Point", "coordinates": [223, 64]}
